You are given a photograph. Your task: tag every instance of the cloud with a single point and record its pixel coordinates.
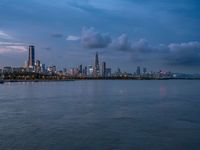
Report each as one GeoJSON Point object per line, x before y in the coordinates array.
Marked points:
{"type": "Point", "coordinates": [184, 53]}
{"type": "Point", "coordinates": [4, 35]}
{"type": "Point", "coordinates": [195, 46]}
{"type": "Point", "coordinates": [12, 47]}
{"type": "Point", "coordinates": [10, 43]}
{"type": "Point", "coordinates": [92, 39]}
{"type": "Point", "coordinates": [142, 46]}
{"type": "Point", "coordinates": [57, 35]}
{"type": "Point", "coordinates": [73, 38]}
{"type": "Point", "coordinates": [121, 43]}
{"type": "Point", "coordinates": [179, 54]}
{"type": "Point", "coordinates": [7, 45]}
{"type": "Point", "coordinates": [47, 48]}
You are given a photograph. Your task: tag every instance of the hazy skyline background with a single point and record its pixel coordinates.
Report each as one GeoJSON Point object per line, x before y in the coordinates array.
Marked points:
{"type": "Point", "coordinates": [157, 34]}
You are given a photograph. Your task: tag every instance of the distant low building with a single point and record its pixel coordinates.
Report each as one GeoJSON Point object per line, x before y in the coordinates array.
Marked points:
{"type": "Point", "coordinates": [19, 70]}
{"type": "Point", "coordinates": [51, 69]}
{"type": "Point", "coordinates": [7, 69]}
{"type": "Point", "coordinates": [108, 72]}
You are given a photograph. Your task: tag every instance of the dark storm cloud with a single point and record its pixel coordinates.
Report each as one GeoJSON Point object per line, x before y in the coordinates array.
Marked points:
{"type": "Point", "coordinates": [141, 50]}
{"type": "Point", "coordinates": [142, 46]}
{"type": "Point", "coordinates": [178, 54]}
{"type": "Point", "coordinates": [187, 54]}
{"type": "Point", "coordinates": [92, 39]}
{"type": "Point", "coordinates": [121, 43]}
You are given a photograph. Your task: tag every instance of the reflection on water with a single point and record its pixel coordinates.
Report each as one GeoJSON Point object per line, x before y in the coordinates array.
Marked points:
{"type": "Point", "coordinates": [100, 115]}
{"type": "Point", "coordinates": [163, 90]}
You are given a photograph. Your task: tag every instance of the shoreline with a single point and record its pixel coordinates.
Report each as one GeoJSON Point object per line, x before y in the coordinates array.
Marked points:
{"type": "Point", "coordinates": [82, 79]}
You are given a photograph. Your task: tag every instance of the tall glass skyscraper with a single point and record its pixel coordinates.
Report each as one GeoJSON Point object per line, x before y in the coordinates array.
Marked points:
{"type": "Point", "coordinates": [31, 56]}
{"type": "Point", "coordinates": [96, 66]}
{"type": "Point", "coordinates": [103, 69]}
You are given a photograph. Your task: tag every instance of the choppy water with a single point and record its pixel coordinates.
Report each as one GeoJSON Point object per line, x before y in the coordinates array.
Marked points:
{"type": "Point", "coordinates": [100, 115]}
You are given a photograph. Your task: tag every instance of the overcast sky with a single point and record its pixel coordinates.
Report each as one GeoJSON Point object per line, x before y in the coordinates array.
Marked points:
{"type": "Point", "coordinates": [157, 34]}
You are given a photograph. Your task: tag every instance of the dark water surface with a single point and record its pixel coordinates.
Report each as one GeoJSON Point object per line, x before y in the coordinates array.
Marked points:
{"type": "Point", "coordinates": [100, 115]}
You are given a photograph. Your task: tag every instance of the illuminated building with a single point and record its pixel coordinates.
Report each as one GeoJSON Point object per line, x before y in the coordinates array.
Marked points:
{"type": "Point", "coordinates": [96, 71]}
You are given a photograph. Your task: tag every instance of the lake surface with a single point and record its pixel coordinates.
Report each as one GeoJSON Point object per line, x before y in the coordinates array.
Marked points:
{"type": "Point", "coordinates": [100, 115]}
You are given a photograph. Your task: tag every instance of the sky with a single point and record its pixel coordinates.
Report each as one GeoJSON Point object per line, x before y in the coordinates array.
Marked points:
{"type": "Point", "coordinates": [156, 34]}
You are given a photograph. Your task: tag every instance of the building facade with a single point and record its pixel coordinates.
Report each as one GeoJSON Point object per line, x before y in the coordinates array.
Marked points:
{"type": "Point", "coordinates": [31, 56]}
{"type": "Point", "coordinates": [103, 69]}
{"type": "Point", "coordinates": [96, 71]}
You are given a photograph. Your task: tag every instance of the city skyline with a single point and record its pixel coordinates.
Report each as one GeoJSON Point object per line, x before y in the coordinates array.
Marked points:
{"type": "Point", "coordinates": [157, 35]}
{"type": "Point", "coordinates": [35, 70]}
{"type": "Point", "coordinates": [98, 67]}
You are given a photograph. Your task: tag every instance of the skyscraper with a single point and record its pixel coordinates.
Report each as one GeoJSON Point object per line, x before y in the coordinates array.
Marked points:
{"type": "Point", "coordinates": [103, 69]}
{"type": "Point", "coordinates": [43, 68]}
{"type": "Point", "coordinates": [96, 65]}
{"type": "Point", "coordinates": [144, 70]}
{"type": "Point", "coordinates": [138, 70]}
{"type": "Point", "coordinates": [31, 56]}
{"type": "Point", "coordinates": [91, 70]}
{"type": "Point", "coordinates": [37, 66]}
{"type": "Point", "coordinates": [85, 71]}
{"type": "Point", "coordinates": [80, 69]}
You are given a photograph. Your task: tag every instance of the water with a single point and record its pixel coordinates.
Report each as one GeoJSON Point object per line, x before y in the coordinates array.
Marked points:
{"type": "Point", "coordinates": [100, 115]}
